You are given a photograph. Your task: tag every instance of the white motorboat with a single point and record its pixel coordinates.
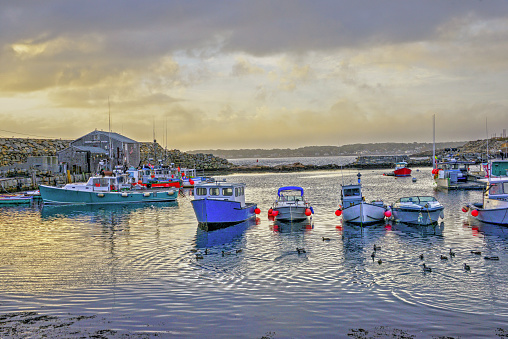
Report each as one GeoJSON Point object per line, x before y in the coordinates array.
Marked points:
{"type": "Point", "coordinates": [291, 205]}
{"type": "Point", "coordinates": [494, 208]}
{"type": "Point", "coordinates": [355, 209]}
{"type": "Point", "coordinates": [418, 210]}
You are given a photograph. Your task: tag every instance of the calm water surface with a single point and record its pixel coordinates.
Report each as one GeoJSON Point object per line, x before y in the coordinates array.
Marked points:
{"type": "Point", "coordinates": [133, 269]}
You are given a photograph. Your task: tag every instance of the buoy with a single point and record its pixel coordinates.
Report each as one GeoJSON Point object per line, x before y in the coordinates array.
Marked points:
{"type": "Point", "coordinates": [474, 213]}
{"type": "Point", "coordinates": [465, 209]}
{"type": "Point", "coordinates": [338, 213]}
{"type": "Point", "coordinates": [257, 211]}
{"type": "Point", "coordinates": [388, 214]}
{"type": "Point", "coordinates": [191, 181]}
{"type": "Point", "coordinates": [275, 213]}
{"type": "Point", "coordinates": [308, 212]}
{"type": "Point", "coordinates": [270, 212]}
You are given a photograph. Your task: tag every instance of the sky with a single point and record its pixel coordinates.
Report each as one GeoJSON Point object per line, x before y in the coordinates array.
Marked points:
{"type": "Point", "coordinates": [254, 74]}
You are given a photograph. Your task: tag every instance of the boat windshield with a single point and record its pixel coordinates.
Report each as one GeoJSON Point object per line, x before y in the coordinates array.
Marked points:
{"type": "Point", "coordinates": [348, 192]}
{"type": "Point", "coordinates": [498, 188]}
{"type": "Point", "coordinates": [417, 200]}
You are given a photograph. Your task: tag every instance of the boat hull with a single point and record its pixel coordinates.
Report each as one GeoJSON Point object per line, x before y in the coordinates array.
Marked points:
{"type": "Point", "coordinates": [291, 213]}
{"type": "Point", "coordinates": [417, 216]}
{"type": "Point", "coordinates": [15, 199]}
{"type": "Point", "coordinates": [363, 213]}
{"type": "Point", "coordinates": [221, 213]}
{"type": "Point", "coordinates": [496, 212]}
{"type": "Point", "coordinates": [57, 195]}
{"type": "Point", "coordinates": [402, 172]}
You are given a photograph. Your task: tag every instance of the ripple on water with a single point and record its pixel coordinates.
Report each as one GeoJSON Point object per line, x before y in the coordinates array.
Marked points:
{"type": "Point", "coordinates": [137, 264]}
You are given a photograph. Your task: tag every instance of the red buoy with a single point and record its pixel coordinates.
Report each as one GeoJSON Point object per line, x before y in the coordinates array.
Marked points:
{"type": "Point", "coordinates": [308, 212]}
{"type": "Point", "coordinates": [191, 181]}
{"type": "Point", "coordinates": [465, 209]}
{"type": "Point", "coordinates": [270, 212]}
{"type": "Point", "coordinates": [338, 213]}
{"type": "Point", "coordinates": [275, 213]}
{"type": "Point", "coordinates": [474, 213]}
{"type": "Point", "coordinates": [388, 214]}
{"type": "Point", "coordinates": [257, 211]}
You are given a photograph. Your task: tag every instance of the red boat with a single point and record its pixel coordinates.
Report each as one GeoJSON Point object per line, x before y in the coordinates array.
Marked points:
{"type": "Point", "coordinates": [401, 170]}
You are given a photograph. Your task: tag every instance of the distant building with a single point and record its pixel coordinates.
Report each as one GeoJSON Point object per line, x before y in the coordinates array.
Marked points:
{"type": "Point", "coordinates": [88, 152]}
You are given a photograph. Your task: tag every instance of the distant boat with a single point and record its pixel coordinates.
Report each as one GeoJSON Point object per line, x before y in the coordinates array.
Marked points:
{"type": "Point", "coordinates": [454, 174]}
{"type": "Point", "coordinates": [105, 189]}
{"type": "Point", "coordinates": [401, 169]}
{"type": "Point", "coordinates": [418, 210]}
{"type": "Point", "coordinates": [291, 205]}
{"type": "Point", "coordinates": [355, 209]}
{"type": "Point", "coordinates": [221, 204]}
{"type": "Point", "coordinates": [15, 199]}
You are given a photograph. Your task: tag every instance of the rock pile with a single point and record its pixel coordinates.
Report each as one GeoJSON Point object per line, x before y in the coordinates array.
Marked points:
{"type": "Point", "coordinates": [207, 162]}
{"type": "Point", "coordinates": [17, 150]}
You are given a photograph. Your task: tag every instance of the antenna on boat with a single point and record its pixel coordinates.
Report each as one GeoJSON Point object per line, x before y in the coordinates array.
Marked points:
{"type": "Point", "coordinates": [487, 132]}
{"type": "Point", "coordinates": [109, 137]}
{"type": "Point", "coordinates": [434, 141]}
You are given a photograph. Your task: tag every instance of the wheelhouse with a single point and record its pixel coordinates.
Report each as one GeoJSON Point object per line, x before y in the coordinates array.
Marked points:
{"type": "Point", "coordinates": [221, 191]}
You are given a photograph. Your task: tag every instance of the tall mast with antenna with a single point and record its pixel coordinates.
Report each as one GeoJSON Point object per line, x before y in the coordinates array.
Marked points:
{"type": "Point", "coordinates": [109, 135]}
{"type": "Point", "coordinates": [433, 141]}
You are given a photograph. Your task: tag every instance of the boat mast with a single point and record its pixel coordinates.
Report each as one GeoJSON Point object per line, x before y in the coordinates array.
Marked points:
{"type": "Point", "coordinates": [434, 141]}
{"type": "Point", "coordinates": [109, 137]}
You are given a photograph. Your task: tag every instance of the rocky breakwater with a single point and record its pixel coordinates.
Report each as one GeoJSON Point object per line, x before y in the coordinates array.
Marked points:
{"type": "Point", "coordinates": [17, 150]}
{"type": "Point", "coordinates": [295, 167]}
{"type": "Point", "coordinates": [154, 153]}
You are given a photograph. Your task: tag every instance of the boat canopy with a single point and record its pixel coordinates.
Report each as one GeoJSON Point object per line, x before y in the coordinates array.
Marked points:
{"type": "Point", "coordinates": [290, 188]}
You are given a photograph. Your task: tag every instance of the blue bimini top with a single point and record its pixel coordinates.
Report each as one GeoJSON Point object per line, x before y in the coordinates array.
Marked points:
{"type": "Point", "coordinates": [290, 188]}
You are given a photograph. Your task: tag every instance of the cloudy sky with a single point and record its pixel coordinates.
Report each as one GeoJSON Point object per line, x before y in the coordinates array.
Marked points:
{"type": "Point", "coordinates": [254, 74]}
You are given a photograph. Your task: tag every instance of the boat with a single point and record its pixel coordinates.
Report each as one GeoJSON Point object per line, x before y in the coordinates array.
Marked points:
{"type": "Point", "coordinates": [418, 210]}
{"type": "Point", "coordinates": [454, 174]}
{"type": "Point", "coordinates": [354, 209]}
{"type": "Point", "coordinates": [291, 205]}
{"type": "Point", "coordinates": [190, 178]}
{"type": "Point", "coordinates": [494, 208]}
{"type": "Point", "coordinates": [401, 169]}
{"type": "Point", "coordinates": [221, 204]}
{"type": "Point", "coordinates": [104, 189]}
{"type": "Point", "coordinates": [15, 199]}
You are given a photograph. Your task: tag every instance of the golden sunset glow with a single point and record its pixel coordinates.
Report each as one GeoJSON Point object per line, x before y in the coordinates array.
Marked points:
{"type": "Point", "coordinates": [254, 74]}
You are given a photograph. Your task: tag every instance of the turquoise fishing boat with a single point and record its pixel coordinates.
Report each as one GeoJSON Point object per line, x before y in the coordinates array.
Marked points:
{"type": "Point", "coordinates": [104, 190]}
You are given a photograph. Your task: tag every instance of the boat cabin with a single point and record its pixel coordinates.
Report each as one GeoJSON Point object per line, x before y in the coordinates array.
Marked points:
{"type": "Point", "coordinates": [290, 193]}
{"type": "Point", "coordinates": [351, 195]}
{"type": "Point", "coordinates": [499, 168]}
{"type": "Point", "coordinates": [221, 191]}
{"type": "Point", "coordinates": [497, 188]}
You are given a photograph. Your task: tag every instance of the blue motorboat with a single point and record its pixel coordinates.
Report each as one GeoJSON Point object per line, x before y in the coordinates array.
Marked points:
{"type": "Point", "coordinates": [104, 190]}
{"type": "Point", "coordinates": [222, 204]}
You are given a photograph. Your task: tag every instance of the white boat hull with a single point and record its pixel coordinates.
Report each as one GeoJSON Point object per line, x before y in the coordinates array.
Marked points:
{"type": "Point", "coordinates": [494, 211]}
{"type": "Point", "coordinates": [363, 213]}
{"type": "Point", "coordinates": [415, 216]}
{"type": "Point", "coordinates": [290, 213]}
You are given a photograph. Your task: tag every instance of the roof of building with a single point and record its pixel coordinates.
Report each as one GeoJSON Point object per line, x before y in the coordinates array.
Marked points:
{"type": "Point", "coordinates": [113, 135]}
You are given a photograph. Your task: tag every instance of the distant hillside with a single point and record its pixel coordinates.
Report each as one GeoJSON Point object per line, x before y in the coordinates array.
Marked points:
{"type": "Point", "coordinates": [322, 151]}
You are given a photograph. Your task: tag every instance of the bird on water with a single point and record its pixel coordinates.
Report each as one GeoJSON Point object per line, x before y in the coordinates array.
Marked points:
{"type": "Point", "coordinates": [426, 269]}
{"type": "Point", "coordinates": [467, 267]}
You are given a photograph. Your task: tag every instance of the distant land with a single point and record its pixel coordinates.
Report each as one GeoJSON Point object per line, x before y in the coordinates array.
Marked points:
{"type": "Point", "coordinates": [389, 148]}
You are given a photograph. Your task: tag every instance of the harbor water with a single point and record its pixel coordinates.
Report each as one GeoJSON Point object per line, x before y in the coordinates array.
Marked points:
{"type": "Point", "coordinates": [137, 270]}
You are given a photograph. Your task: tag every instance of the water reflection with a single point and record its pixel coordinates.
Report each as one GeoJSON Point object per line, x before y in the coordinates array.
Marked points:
{"type": "Point", "coordinates": [222, 236]}
{"type": "Point", "coordinates": [289, 227]}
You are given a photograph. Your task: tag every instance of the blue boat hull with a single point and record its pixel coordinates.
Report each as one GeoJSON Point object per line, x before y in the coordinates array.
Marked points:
{"type": "Point", "coordinates": [56, 195]}
{"type": "Point", "coordinates": [222, 212]}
